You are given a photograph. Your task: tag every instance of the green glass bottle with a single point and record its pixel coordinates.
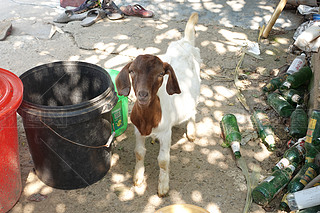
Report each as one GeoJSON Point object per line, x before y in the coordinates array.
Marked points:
{"type": "Point", "coordinates": [293, 96]}
{"type": "Point", "coordinates": [275, 83]}
{"type": "Point", "coordinates": [272, 185]}
{"type": "Point", "coordinates": [298, 78]}
{"type": "Point", "coordinates": [280, 105]}
{"type": "Point", "coordinates": [262, 123]}
{"type": "Point", "coordinates": [298, 122]}
{"type": "Point", "coordinates": [307, 173]}
{"type": "Point", "coordinates": [313, 133]}
{"type": "Point", "coordinates": [284, 203]}
{"type": "Point", "coordinates": [294, 154]}
{"type": "Point", "coordinates": [231, 133]}
{"type": "Point", "coordinates": [312, 142]}
{"type": "Point", "coordinates": [311, 152]}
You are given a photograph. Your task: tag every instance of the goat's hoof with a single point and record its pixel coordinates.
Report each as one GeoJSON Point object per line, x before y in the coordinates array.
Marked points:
{"type": "Point", "coordinates": [162, 194]}
{"type": "Point", "coordinates": [191, 138]}
{"type": "Point", "coordinates": [163, 191]}
{"type": "Point", "coordinates": [138, 182]}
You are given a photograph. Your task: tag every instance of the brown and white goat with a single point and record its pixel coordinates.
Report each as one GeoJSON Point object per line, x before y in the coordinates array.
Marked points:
{"type": "Point", "coordinates": [167, 92]}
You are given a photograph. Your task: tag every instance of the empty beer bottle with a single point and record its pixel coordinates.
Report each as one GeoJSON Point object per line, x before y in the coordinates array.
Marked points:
{"type": "Point", "coordinates": [284, 203]}
{"type": "Point", "coordinates": [231, 133]}
{"type": "Point", "coordinates": [298, 78]}
{"type": "Point", "coordinates": [297, 63]}
{"type": "Point", "coordinates": [294, 154]}
{"type": "Point", "coordinates": [307, 173]}
{"type": "Point", "coordinates": [298, 122]}
{"type": "Point", "coordinates": [275, 83]}
{"type": "Point", "coordinates": [293, 96]}
{"type": "Point", "coordinates": [313, 133]}
{"type": "Point", "coordinates": [272, 185]}
{"type": "Point", "coordinates": [261, 122]}
{"type": "Point", "coordinates": [312, 142]}
{"type": "Point", "coordinates": [280, 105]}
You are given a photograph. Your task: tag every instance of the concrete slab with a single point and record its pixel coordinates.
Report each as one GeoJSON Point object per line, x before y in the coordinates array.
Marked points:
{"type": "Point", "coordinates": [243, 13]}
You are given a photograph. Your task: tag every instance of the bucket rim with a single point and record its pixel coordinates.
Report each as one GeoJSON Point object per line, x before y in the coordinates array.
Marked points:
{"type": "Point", "coordinates": [105, 99]}
{"type": "Point", "coordinates": [11, 100]}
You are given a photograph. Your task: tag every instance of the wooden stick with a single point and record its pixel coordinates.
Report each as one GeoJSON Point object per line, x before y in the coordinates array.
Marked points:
{"type": "Point", "coordinates": [274, 17]}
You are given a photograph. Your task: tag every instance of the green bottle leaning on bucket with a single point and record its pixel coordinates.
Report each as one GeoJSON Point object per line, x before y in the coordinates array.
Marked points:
{"type": "Point", "coordinates": [231, 133]}
{"type": "Point", "coordinates": [119, 113]}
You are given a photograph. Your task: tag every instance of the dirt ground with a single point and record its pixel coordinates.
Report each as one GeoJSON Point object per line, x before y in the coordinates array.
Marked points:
{"type": "Point", "coordinates": [201, 172]}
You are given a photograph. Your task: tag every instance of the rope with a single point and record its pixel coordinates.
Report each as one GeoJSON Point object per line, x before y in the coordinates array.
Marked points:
{"type": "Point", "coordinates": [107, 145]}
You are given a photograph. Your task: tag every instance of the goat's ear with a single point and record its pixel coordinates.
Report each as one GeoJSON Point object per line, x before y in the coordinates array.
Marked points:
{"type": "Point", "coordinates": [172, 84]}
{"type": "Point", "coordinates": [123, 81]}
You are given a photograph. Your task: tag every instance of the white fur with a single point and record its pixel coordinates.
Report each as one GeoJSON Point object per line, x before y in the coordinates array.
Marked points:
{"type": "Point", "coordinates": [185, 61]}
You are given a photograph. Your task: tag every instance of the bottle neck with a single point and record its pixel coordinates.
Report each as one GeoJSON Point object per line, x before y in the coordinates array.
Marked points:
{"type": "Point", "coordinates": [296, 99]}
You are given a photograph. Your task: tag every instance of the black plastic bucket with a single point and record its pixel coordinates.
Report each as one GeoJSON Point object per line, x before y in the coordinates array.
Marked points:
{"type": "Point", "coordinates": [66, 116]}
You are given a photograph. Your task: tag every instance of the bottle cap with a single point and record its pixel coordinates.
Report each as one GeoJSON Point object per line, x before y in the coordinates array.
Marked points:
{"type": "Point", "coordinates": [296, 98]}
{"type": "Point", "coordinates": [286, 84]}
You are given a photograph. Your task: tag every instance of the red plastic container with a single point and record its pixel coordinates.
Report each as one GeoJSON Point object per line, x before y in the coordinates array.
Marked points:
{"type": "Point", "coordinates": [11, 92]}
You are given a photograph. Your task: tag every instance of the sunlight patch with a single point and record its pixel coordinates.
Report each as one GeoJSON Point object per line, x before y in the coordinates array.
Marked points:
{"type": "Point", "coordinates": [92, 59]}
{"type": "Point", "coordinates": [196, 196]}
{"type": "Point", "coordinates": [114, 159]}
{"type": "Point", "coordinates": [34, 185]}
{"type": "Point", "coordinates": [207, 92]}
{"type": "Point", "coordinates": [189, 147]}
{"type": "Point", "coordinates": [61, 208]}
{"type": "Point", "coordinates": [213, 208]}
{"type": "Point", "coordinates": [235, 37]}
{"type": "Point", "coordinates": [236, 5]}
{"type": "Point", "coordinates": [224, 92]}
{"type": "Point", "coordinates": [74, 58]}
{"type": "Point", "coordinates": [264, 154]}
{"type": "Point", "coordinates": [215, 156]}
{"type": "Point", "coordinates": [117, 178]}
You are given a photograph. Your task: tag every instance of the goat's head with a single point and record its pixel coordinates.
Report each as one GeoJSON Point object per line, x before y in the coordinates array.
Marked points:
{"type": "Point", "coordinates": [146, 73]}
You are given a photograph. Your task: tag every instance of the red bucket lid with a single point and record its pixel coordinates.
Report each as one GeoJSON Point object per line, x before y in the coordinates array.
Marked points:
{"type": "Point", "coordinates": [11, 92]}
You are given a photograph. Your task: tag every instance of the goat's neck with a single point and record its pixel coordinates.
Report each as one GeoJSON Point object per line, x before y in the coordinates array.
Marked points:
{"type": "Point", "coordinates": [145, 118]}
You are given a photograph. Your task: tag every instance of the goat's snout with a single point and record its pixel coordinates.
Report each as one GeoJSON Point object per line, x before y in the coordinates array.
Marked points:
{"type": "Point", "coordinates": [143, 94]}
{"type": "Point", "coordinates": [143, 97]}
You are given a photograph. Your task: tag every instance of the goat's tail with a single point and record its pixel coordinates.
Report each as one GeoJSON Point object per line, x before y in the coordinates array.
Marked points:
{"type": "Point", "coordinates": [189, 32]}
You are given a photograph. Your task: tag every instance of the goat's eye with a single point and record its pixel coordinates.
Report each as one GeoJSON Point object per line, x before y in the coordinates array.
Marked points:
{"type": "Point", "coordinates": [131, 72]}
{"type": "Point", "coordinates": [161, 74]}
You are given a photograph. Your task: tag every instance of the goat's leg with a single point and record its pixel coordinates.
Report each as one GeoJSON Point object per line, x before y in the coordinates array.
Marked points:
{"type": "Point", "coordinates": [140, 152]}
{"type": "Point", "coordinates": [164, 161]}
{"type": "Point", "coordinates": [191, 128]}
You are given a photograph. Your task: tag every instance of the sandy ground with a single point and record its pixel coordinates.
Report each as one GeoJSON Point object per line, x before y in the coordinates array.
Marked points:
{"type": "Point", "coordinates": [202, 172]}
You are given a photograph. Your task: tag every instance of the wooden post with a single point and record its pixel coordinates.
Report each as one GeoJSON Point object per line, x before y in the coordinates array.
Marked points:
{"type": "Point", "coordinates": [273, 18]}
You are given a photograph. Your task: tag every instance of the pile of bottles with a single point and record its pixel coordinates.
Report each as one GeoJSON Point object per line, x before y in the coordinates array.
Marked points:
{"type": "Point", "coordinates": [297, 174]}
{"type": "Point", "coordinates": [301, 155]}
{"type": "Point", "coordinates": [286, 94]}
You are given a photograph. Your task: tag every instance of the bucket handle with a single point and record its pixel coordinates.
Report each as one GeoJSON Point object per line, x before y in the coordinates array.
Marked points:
{"type": "Point", "coordinates": [107, 145]}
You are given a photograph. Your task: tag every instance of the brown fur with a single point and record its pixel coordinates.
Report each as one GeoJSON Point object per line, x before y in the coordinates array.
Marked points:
{"type": "Point", "coordinates": [147, 73]}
